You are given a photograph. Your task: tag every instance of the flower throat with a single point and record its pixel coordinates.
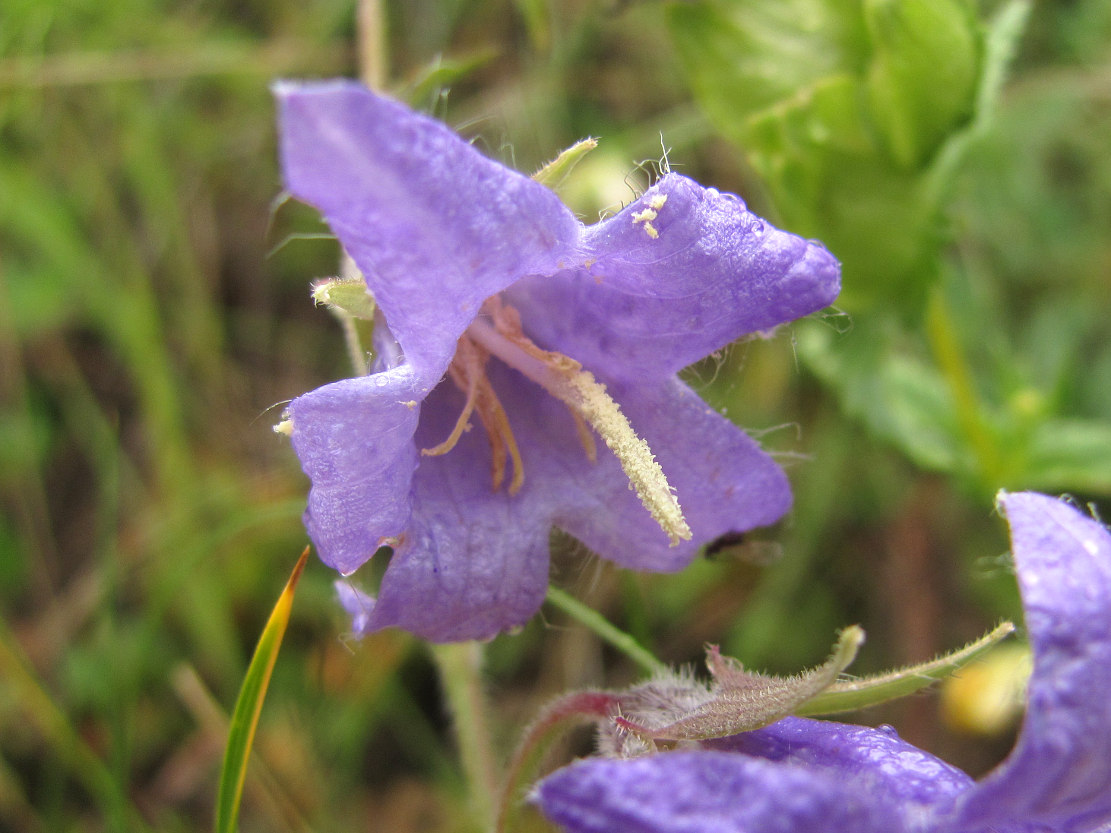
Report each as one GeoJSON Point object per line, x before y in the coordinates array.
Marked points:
{"type": "Point", "coordinates": [498, 333]}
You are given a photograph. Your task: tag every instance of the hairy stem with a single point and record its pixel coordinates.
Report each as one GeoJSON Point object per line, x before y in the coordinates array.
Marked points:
{"type": "Point", "coordinates": [460, 667]}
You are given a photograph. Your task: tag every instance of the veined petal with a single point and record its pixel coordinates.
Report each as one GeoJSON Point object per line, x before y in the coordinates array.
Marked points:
{"type": "Point", "coordinates": [434, 225]}
{"type": "Point", "coordinates": [647, 306]}
{"type": "Point", "coordinates": [1059, 774]}
{"type": "Point", "coordinates": [355, 442]}
{"type": "Point", "coordinates": [707, 792]}
{"type": "Point", "coordinates": [872, 762]}
{"type": "Point", "coordinates": [473, 561]}
{"type": "Point", "coordinates": [724, 481]}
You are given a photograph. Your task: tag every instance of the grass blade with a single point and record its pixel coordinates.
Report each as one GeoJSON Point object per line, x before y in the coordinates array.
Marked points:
{"type": "Point", "coordinates": [248, 706]}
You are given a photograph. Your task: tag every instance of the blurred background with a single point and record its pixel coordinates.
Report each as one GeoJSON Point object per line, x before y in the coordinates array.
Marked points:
{"type": "Point", "coordinates": [155, 316]}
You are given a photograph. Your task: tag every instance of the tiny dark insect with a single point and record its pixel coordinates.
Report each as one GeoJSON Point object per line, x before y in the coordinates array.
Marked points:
{"type": "Point", "coordinates": [724, 542]}
{"type": "Point", "coordinates": [735, 545]}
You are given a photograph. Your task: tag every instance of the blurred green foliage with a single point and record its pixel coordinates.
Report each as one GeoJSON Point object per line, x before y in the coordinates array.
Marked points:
{"type": "Point", "coordinates": [843, 109]}
{"type": "Point", "coordinates": [953, 154]}
{"type": "Point", "coordinates": [869, 131]}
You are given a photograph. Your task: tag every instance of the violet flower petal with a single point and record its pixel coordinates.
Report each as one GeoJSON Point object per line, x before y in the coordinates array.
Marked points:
{"type": "Point", "coordinates": [707, 792]}
{"type": "Point", "coordinates": [645, 307]}
{"type": "Point", "coordinates": [435, 226]}
{"type": "Point", "coordinates": [1059, 775]}
{"type": "Point", "coordinates": [474, 561]}
{"type": "Point", "coordinates": [355, 440]}
{"type": "Point", "coordinates": [1058, 778]}
{"type": "Point", "coordinates": [869, 761]}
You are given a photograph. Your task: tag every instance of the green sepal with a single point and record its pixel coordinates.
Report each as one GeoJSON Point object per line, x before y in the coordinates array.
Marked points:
{"type": "Point", "coordinates": [850, 695]}
{"type": "Point", "coordinates": [555, 173]}
{"type": "Point", "coordinates": [740, 700]}
{"type": "Point", "coordinates": [345, 295]}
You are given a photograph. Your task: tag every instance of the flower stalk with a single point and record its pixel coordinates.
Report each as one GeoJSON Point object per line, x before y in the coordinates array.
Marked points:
{"type": "Point", "coordinates": [460, 668]}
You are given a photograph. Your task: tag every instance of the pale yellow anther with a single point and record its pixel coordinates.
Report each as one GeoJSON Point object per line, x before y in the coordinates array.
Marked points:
{"type": "Point", "coordinates": [589, 398]}
{"type": "Point", "coordinates": [565, 379]}
{"type": "Point", "coordinates": [647, 215]}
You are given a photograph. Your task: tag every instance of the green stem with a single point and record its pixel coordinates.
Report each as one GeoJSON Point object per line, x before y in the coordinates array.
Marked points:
{"type": "Point", "coordinates": [355, 352]}
{"type": "Point", "coordinates": [605, 630]}
{"type": "Point", "coordinates": [950, 358]}
{"type": "Point", "coordinates": [372, 44]}
{"type": "Point", "coordinates": [460, 667]}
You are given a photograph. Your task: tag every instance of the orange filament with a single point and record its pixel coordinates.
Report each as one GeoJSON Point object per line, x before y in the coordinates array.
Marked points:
{"type": "Point", "coordinates": [468, 372]}
{"type": "Point", "coordinates": [507, 321]}
{"type": "Point", "coordinates": [494, 419]}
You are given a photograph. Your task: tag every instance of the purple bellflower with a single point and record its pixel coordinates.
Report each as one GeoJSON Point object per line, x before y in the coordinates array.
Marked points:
{"type": "Point", "coordinates": [501, 309]}
{"type": "Point", "coordinates": [810, 776]}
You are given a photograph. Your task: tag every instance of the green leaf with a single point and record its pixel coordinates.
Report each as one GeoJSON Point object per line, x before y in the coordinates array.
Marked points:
{"type": "Point", "coordinates": [899, 399]}
{"type": "Point", "coordinates": [923, 73]}
{"type": "Point", "coordinates": [744, 58]}
{"type": "Point", "coordinates": [248, 706]}
{"type": "Point", "coordinates": [1069, 454]}
{"type": "Point", "coordinates": [849, 111]}
{"type": "Point", "coordinates": [786, 81]}
{"type": "Point", "coordinates": [1000, 42]}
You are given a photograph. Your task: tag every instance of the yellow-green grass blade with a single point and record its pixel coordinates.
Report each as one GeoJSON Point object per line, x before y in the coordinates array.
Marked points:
{"type": "Point", "coordinates": [248, 706]}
